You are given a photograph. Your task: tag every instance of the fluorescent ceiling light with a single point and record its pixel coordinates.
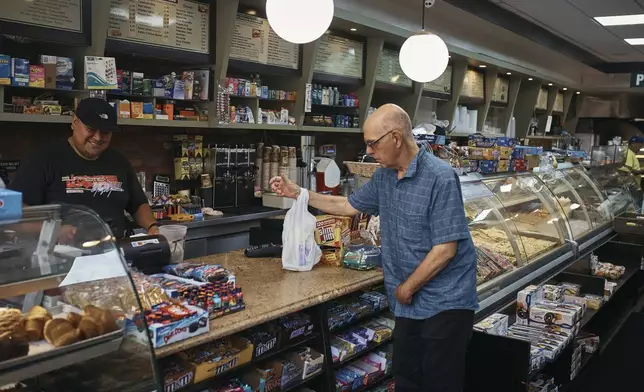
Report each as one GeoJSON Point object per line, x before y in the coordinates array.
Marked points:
{"type": "Point", "coordinates": [578, 92]}
{"type": "Point", "coordinates": [354, 29]}
{"type": "Point", "coordinates": [635, 41]}
{"type": "Point", "coordinates": [530, 79]}
{"type": "Point", "coordinates": [549, 84]}
{"type": "Point", "coordinates": [565, 89]}
{"type": "Point", "coordinates": [508, 73]}
{"type": "Point", "coordinates": [620, 20]}
{"type": "Point", "coordinates": [482, 66]}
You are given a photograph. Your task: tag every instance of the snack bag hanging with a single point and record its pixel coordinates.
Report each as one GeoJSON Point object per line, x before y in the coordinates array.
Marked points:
{"type": "Point", "coordinates": [300, 252]}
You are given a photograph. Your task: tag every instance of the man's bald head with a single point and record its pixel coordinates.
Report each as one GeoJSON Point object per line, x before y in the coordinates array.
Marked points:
{"type": "Point", "coordinates": [387, 118]}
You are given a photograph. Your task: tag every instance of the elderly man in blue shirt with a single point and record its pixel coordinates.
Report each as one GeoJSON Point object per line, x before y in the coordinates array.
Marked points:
{"type": "Point", "coordinates": [428, 257]}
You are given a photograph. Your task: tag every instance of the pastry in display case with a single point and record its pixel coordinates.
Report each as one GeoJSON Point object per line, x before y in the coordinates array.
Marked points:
{"type": "Point", "coordinates": [52, 340]}
{"type": "Point", "coordinates": [539, 219]}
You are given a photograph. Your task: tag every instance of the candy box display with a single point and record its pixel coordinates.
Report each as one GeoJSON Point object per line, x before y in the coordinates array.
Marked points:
{"type": "Point", "coordinates": [525, 299]}
{"type": "Point", "coordinates": [272, 375]}
{"type": "Point", "coordinates": [487, 167]}
{"type": "Point", "coordinates": [503, 166]}
{"type": "Point", "coordinates": [480, 141]}
{"type": "Point", "coordinates": [332, 230]}
{"type": "Point", "coordinates": [483, 153]}
{"type": "Point", "coordinates": [174, 285]}
{"type": "Point", "coordinates": [551, 315]}
{"type": "Point", "coordinates": [552, 292]}
{"type": "Point", "coordinates": [217, 357]}
{"type": "Point", "coordinates": [372, 371]}
{"type": "Point", "coordinates": [503, 152]}
{"type": "Point", "coordinates": [294, 327]}
{"type": "Point", "coordinates": [518, 165]}
{"type": "Point", "coordinates": [377, 300]}
{"type": "Point", "coordinates": [332, 256]}
{"type": "Point", "coordinates": [177, 373]}
{"type": "Point", "coordinates": [373, 332]}
{"type": "Point", "coordinates": [496, 324]}
{"type": "Point", "coordinates": [342, 313]}
{"type": "Point", "coordinates": [169, 323]}
{"type": "Point", "coordinates": [300, 365]}
{"type": "Point", "coordinates": [265, 339]}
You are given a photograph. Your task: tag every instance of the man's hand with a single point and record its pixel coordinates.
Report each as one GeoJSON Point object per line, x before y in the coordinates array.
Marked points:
{"type": "Point", "coordinates": [66, 234]}
{"type": "Point", "coordinates": [285, 187]}
{"type": "Point", "coordinates": [404, 295]}
{"type": "Point", "coordinates": [154, 230]}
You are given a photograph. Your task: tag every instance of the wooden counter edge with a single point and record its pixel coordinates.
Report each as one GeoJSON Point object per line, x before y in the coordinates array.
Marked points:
{"type": "Point", "coordinates": [265, 317]}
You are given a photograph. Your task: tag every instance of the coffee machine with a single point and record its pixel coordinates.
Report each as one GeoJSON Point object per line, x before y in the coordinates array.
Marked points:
{"type": "Point", "coordinates": [232, 169]}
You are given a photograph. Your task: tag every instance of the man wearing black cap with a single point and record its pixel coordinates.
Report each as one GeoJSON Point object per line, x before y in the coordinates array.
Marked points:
{"type": "Point", "coordinates": [83, 170]}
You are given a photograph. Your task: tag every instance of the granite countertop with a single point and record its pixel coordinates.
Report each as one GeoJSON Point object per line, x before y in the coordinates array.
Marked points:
{"type": "Point", "coordinates": [271, 292]}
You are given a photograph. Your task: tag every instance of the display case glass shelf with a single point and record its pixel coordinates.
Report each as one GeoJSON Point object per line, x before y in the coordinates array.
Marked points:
{"type": "Point", "coordinates": [620, 188]}
{"type": "Point", "coordinates": [64, 308]}
{"type": "Point", "coordinates": [539, 219]}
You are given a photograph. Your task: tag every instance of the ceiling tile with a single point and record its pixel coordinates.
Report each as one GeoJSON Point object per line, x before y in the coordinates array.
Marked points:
{"type": "Point", "coordinates": [607, 8]}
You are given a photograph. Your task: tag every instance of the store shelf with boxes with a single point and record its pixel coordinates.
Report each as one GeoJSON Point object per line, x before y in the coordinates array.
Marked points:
{"type": "Point", "coordinates": [554, 329]}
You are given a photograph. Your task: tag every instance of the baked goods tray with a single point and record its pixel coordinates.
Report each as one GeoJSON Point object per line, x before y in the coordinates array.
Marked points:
{"type": "Point", "coordinates": [22, 368]}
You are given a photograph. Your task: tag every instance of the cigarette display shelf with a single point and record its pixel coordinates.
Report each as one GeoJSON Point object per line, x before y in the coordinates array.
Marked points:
{"type": "Point", "coordinates": [35, 118]}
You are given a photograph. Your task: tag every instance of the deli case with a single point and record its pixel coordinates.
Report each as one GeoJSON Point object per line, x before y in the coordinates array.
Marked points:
{"type": "Point", "coordinates": [528, 226]}
{"type": "Point", "coordinates": [64, 308]}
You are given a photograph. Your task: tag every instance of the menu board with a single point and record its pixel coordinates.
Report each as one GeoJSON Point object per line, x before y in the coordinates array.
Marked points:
{"type": "Point", "coordinates": [559, 103]}
{"type": "Point", "coordinates": [473, 85]}
{"type": "Point", "coordinates": [389, 70]}
{"type": "Point", "coordinates": [254, 40]}
{"type": "Point", "coordinates": [339, 56]}
{"type": "Point", "coordinates": [441, 85]}
{"type": "Point", "coordinates": [174, 24]}
{"type": "Point", "coordinates": [55, 14]}
{"type": "Point", "coordinates": [542, 99]}
{"type": "Point", "coordinates": [500, 92]}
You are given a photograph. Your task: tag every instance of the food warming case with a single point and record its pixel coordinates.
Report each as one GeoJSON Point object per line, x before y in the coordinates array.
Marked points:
{"type": "Point", "coordinates": [63, 307]}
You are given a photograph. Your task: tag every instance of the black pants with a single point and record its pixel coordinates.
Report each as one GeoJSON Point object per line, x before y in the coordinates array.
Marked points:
{"type": "Point", "coordinates": [429, 355]}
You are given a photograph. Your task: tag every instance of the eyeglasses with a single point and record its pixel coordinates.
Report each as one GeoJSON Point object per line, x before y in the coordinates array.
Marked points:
{"type": "Point", "coordinates": [373, 144]}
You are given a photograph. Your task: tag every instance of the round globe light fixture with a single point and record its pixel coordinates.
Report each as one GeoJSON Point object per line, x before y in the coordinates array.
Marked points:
{"type": "Point", "coordinates": [300, 21]}
{"type": "Point", "coordinates": [424, 57]}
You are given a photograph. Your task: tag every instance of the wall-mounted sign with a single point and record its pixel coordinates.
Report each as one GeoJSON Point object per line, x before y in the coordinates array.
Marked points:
{"type": "Point", "coordinates": [389, 70]}
{"type": "Point", "coordinates": [174, 24]}
{"type": "Point", "coordinates": [339, 56]}
{"type": "Point", "coordinates": [542, 99]}
{"type": "Point", "coordinates": [501, 89]}
{"type": "Point", "coordinates": [559, 103]}
{"type": "Point", "coordinates": [55, 14]}
{"type": "Point", "coordinates": [637, 79]}
{"type": "Point", "coordinates": [473, 84]}
{"type": "Point", "coordinates": [254, 40]}
{"type": "Point", "coordinates": [441, 85]}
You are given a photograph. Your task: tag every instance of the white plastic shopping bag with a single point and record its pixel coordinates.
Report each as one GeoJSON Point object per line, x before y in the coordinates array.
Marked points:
{"type": "Point", "coordinates": [300, 252]}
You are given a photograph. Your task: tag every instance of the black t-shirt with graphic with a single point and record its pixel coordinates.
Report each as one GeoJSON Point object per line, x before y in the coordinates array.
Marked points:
{"type": "Point", "coordinates": [107, 185]}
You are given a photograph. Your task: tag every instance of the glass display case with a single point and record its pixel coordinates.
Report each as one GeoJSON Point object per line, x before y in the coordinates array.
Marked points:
{"type": "Point", "coordinates": [621, 189]}
{"type": "Point", "coordinates": [540, 221]}
{"type": "Point", "coordinates": [64, 308]}
{"type": "Point", "coordinates": [591, 194]}
{"type": "Point", "coordinates": [493, 233]}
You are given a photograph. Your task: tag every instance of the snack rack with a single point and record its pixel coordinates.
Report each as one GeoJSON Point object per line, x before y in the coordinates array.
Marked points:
{"type": "Point", "coordinates": [38, 274]}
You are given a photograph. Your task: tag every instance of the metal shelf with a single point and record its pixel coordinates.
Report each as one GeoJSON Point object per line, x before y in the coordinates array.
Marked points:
{"type": "Point", "coordinates": [163, 123]}
{"type": "Point", "coordinates": [313, 128]}
{"type": "Point", "coordinates": [35, 118]}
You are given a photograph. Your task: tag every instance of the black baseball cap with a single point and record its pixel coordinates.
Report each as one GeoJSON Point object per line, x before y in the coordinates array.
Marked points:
{"type": "Point", "coordinates": [97, 114]}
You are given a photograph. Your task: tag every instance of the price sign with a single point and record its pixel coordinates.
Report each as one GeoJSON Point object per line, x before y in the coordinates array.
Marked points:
{"type": "Point", "coordinates": [339, 56]}
{"type": "Point", "coordinates": [441, 85]}
{"type": "Point", "coordinates": [55, 14]}
{"type": "Point", "coordinates": [389, 70]}
{"type": "Point", "coordinates": [175, 24]}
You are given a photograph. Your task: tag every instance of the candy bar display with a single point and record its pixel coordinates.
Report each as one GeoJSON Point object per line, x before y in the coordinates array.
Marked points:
{"type": "Point", "coordinates": [358, 339]}
{"type": "Point", "coordinates": [496, 324]}
{"type": "Point", "coordinates": [364, 371]}
{"type": "Point", "coordinates": [217, 357]}
{"type": "Point", "coordinates": [349, 310]}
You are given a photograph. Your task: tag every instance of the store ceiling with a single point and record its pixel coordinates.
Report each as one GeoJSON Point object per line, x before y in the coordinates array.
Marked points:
{"type": "Point", "coordinates": [573, 21]}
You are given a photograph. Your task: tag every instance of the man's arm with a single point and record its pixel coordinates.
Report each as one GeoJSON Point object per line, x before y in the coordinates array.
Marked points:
{"type": "Point", "coordinates": [435, 261]}
{"type": "Point", "coordinates": [144, 219]}
{"type": "Point", "coordinates": [334, 205]}
{"type": "Point", "coordinates": [364, 199]}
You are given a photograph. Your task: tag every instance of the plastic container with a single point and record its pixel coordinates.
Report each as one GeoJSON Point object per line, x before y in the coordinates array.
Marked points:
{"type": "Point", "coordinates": [176, 236]}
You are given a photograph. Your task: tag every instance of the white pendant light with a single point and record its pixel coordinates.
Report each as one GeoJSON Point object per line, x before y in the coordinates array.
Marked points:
{"type": "Point", "coordinates": [300, 21]}
{"type": "Point", "coordinates": [424, 56]}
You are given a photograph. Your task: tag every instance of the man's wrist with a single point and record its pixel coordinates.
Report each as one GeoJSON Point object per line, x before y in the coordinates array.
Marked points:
{"type": "Point", "coordinates": [153, 224]}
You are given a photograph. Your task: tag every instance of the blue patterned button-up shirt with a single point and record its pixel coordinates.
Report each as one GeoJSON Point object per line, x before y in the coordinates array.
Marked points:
{"type": "Point", "coordinates": [418, 212]}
